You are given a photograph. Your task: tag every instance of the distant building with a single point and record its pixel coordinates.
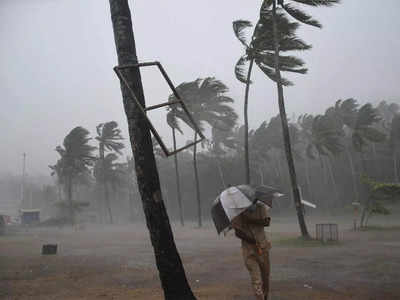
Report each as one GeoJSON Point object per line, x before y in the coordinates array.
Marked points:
{"type": "Point", "coordinates": [29, 216]}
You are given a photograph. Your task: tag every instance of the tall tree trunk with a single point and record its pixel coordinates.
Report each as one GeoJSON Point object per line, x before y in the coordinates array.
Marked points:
{"type": "Point", "coordinates": [308, 179]}
{"type": "Point", "coordinates": [70, 203]}
{"type": "Point", "coordinates": [367, 202]}
{"type": "Point", "coordinates": [107, 200]}
{"type": "Point", "coordinates": [196, 178]}
{"type": "Point", "coordinates": [329, 164]}
{"type": "Point", "coordinates": [221, 173]}
{"type": "Point", "coordinates": [169, 264]}
{"type": "Point", "coordinates": [353, 174]}
{"type": "Point", "coordinates": [285, 130]}
{"type": "Point", "coordinates": [396, 172]}
{"type": "Point", "coordinates": [178, 181]}
{"type": "Point", "coordinates": [246, 124]}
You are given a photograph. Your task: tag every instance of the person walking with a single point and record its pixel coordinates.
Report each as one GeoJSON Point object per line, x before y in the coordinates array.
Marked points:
{"type": "Point", "coordinates": [249, 228]}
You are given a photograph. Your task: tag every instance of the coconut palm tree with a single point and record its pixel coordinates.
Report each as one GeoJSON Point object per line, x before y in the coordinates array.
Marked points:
{"type": "Point", "coordinates": [109, 138]}
{"type": "Point", "coordinates": [207, 102]}
{"type": "Point", "coordinates": [111, 175]}
{"type": "Point", "coordinates": [258, 50]}
{"type": "Point", "coordinates": [169, 264]}
{"type": "Point", "coordinates": [173, 123]}
{"type": "Point", "coordinates": [323, 140]}
{"type": "Point", "coordinates": [75, 159]}
{"type": "Point", "coordinates": [278, 26]}
{"type": "Point", "coordinates": [344, 115]}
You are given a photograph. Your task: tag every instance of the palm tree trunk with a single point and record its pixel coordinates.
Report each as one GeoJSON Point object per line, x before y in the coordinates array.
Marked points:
{"type": "Point", "coordinates": [107, 200]}
{"type": "Point", "coordinates": [396, 172]}
{"type": "Point", "coordinates": [196, 177]}
{"type": "Point", "coordinates": [178, 182]}
{"type": "Point", "coordinates": [246, 124]}
{"type": "Point", "coordinates": [168, 261]}
{"type": "Point", "coordinates": [220, 172]}
{"type": "Point", "coordinates": [70, 203]}
{"type": "Point", "coordinates": [353, 174]}
{"type": "Point", "coordinates": [308, 180]}
{"type": "Point", "coordinates": [367, 202]}
{"type": "Point", "coordinates": [329, 164]}
{"type": "Point", "coordinates": [285, 130]}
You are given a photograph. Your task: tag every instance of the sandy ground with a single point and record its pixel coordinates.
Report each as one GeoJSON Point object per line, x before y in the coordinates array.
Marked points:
{"type": "Point", "coordinates": [115, 262]}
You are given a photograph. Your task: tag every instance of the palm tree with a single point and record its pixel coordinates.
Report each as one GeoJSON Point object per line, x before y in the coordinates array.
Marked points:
{"type": "Point", "coordinates": [363, 133]}
{"type": "Point", "coordinates": [324, 140]}
{"type": "Point", "coordinates": [75, 159]}
{"type": "Point", "coordinates": [130, 173]}
{"type": "Point", "coordinates": [344, 115]}
{"type": "Point", "coordinates": [173, 123]}
{"type": "Point", "coordinates": [169, 264]}
{"type": "Point", "coordinates": [109, 137]}
{"type": "Point", "coordinates": [207, 102]}
{"type": "Point", "coordinates": [284, 39]}
{"type": "Point", "coordinates": [258, 50]}
{"type": "Point", "coordinates": [111, 175]}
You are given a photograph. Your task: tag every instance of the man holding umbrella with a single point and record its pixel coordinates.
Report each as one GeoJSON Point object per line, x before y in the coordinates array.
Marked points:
{"type": "Point", "coordinates": [245, 209]}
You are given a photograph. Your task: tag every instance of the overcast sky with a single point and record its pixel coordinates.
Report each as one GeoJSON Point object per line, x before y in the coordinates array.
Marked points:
{"type": "Point", "coordinates": [56, 59]}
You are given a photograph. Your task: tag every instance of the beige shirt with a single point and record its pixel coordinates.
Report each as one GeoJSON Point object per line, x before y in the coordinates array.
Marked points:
{"type": "Point", "coordinates": [255, 231]}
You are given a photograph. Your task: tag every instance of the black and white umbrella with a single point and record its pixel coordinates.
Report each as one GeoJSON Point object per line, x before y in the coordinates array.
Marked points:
{"type": "Point", "coordinates": [237, 199]}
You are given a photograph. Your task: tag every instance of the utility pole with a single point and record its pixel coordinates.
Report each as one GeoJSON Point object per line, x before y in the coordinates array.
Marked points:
{"type": "Point", "coordinates": [23, 179]}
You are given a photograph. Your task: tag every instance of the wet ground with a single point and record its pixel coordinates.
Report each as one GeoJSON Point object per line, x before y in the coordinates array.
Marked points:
{"type": "Point", "coordinates": [116, 262]}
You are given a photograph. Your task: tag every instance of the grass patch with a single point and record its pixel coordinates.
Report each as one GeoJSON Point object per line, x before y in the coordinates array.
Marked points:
{"type": "Point", "coordinates": [380, 228]}
{"type": "Point", "coordinates": [301, 242]}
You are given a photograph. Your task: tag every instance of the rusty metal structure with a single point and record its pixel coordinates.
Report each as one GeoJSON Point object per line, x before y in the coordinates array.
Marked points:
{"type": "Point", "coordinates": [118, 70]}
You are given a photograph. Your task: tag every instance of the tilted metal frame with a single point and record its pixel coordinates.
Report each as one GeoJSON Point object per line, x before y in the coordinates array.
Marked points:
{"type": "Point", "coordinates": [196, 128]}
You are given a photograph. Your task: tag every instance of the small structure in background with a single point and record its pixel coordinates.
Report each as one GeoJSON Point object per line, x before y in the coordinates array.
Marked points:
{"type": "Point", "coordinates": [327, 232]}
{"type": "Point", "coordinates": [29, 216]}
{"type": "Point", "coordinates": [49, 249]}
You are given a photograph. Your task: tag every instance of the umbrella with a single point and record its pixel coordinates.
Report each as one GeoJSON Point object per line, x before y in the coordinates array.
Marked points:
{"type": "Point", "coordinates": [235, 200]}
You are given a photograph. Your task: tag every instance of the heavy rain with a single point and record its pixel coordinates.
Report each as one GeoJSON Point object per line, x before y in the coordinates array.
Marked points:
{"type": "Point", "coordinates": [186, 150]}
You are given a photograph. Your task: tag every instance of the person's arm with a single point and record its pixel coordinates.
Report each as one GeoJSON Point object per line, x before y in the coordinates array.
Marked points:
{"type": "Point", "coordinates": [261, 222]}
{"type": "Point", "coordinates": [241, 235]}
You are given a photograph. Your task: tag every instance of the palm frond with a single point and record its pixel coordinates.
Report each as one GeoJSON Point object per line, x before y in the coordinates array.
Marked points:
{"type": "Point", "coordinates": [318, 2]}
{"type": "Point", "coordinates": [241, 69]}
{"type": "Point", "coordinates": [239, 28]}
{"type": "Point", "coordinates": [367, 116]}
{"type": "Point", "coordinates": [301, 16]}
{"type": "Point", "coordinates": [271, 73]}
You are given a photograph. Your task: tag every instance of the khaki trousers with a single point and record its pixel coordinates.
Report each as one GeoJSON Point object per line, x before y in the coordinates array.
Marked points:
{"type": "Point", "coordinates": [257, 262]}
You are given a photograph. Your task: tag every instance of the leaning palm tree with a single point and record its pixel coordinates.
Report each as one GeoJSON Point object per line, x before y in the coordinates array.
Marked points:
{"type": "Point", "coordinates": [344, 115]}
{"type": "Point", "coordinates": [207, 102]}
{"type": "Point", "coordinates": [109, 138]}
{"type": "Point", "coordinates": [363, 133]}
{"type": "Point", "coordinates": [169, 264]}
{"type": "Point", "coordinates": [258, 49]}
{"type": "Point", "coordinates": [75, 158]}
{"type": "Point", "coordinates": [108, 172]}
{"type": "Point", "coordinates": [173, 123]}
{"type": "Point", "coordinates": [274, 23]}
{"type": "Point", "coordinates": [323, 141]}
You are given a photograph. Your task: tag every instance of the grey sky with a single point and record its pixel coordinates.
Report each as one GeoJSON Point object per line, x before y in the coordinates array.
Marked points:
{"type": "Point", "coordinates": [56, 60]}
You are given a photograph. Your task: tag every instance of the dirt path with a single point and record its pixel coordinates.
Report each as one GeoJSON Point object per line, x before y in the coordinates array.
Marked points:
{"type": "Point", "coordinates": [117, 263]}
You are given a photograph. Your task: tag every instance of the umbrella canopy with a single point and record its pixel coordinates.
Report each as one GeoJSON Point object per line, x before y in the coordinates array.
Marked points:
{"type": "Point", "coordinates": [235, 200]}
